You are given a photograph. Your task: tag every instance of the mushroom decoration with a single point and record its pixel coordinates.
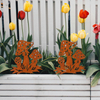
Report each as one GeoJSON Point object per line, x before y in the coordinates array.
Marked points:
{"type": "Point", "coordinates": [69, 67]}
{"type": "Point", "coordinates": [78, 56]}
{"type": "Point", "coordinates": [23, 66]}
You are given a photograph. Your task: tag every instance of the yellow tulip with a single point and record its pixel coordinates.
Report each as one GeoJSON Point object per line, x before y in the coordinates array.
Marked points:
{"type": "Point", "coordinates": [65, 8]}
{"type": "Point", "coordinates": [74, 37]}
{"type": "Point", "coordinates": [27, 6]}
{"type": "Point", "coordinates": [12, 26]}
{"type": "Point", "coordinates": [81, 20]}
{"type": "Point", "coordinates": [82, 34]}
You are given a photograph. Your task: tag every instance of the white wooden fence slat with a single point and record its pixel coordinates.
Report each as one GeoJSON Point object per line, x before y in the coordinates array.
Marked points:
{"type": "Point", "coordinates": [98, 15]}
{"type": "Point", "coordinates": [20, 7]}
{"type": "Point", "coordinates": [44, 87]}
{"type": "Point", "coordinates": [43, 24]}
{"type": "Point", "coordinates": [65, 1]}
{"type": "Point", "coordinates": [72, 16]}
{"type": "Point", "coordinates": [1, 24]}
{"type": "Point", "coordinates": [36, 23]}
{"type": "Point", "coordinates": [30, 22]}
{"type": "Point", "coordinates": [79, 7]}
{"type": "Point", "coordinates": [13, 15]}
{"type": "Point", "coordinates": [57, 20]}
{"type": "Point", "coordinates": [44, 82]}
{"type": "Point", "coordinates": [25, 25]}
{"type": "Point", "coordinates": [95, 93]}
{"type": "Point", "coordinates": [46, 93]}
{"type": "Point", "coordinates": [46, 98]}
{"type": "Point", "coordinates": [92, 36]}
{"type": "Point", "coordinates": [50, 26]}
{"type": "Point", "coordinates": [42, 77]}
{"type": "Point", "coordinates": [6, 18]}
{"type": "Point", "coordinates": [88, 19]}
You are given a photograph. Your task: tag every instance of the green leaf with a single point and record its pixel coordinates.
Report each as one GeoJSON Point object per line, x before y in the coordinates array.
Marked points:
{"type": "Point", "coordinates": [92, 69]}
{"type": "Point", "coordinates": [4, 36]}
{"type": "Point", "coordinates": [2, 60]}
{"type": "Point", "coordinates": [7, 40]}
{"type": "Point", "coordinates": [49, 59]}
{"type": "Point", "coordinates": [95, 79]}
{"type": "Point", "coordinates": [4, 67]}
{"type": "Point", "coordinates": [52, 65]}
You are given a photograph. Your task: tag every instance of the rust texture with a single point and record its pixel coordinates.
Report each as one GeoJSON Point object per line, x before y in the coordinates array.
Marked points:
{"type": "Point", "coordinates": [68, 66]}
{"type": "Point", "coordinates": [29, 62]}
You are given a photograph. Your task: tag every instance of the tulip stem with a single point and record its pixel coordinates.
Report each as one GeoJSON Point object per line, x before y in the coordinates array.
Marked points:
{"type": "Point", "coordinates": [28, 24]}
{"type": "Point", "coordinates": [22, 30]}
{"type": "Point", "coordinates": [83, 40]}
{"type": "Point", "coordinates": [65, 26]}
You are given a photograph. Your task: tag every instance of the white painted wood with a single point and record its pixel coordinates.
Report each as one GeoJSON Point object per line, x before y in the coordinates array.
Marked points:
{"type": "Point", "coordinates": [30, 19]}
{"type": "Point", "coordinates": [72, 16]}
{"type": "Point", "coordinates": [50, 26]}
{"type": "Point", "coordinates": [20, 7]}
{"type": "Point", "coordinates": [79, 7]}
{"type": "Point", "coordinates": [13, 16]}
{"type": "Point", "coordinates": [35, 23]}
{"type": "Point", "coordinates": [46, 93]}
{"type": "Point", "coordinates": [1, 24]}
{"type": "Point", "coordinates": [41, 77]}
{"type": "Point", "coordinates": [88, 19]}
{"type": "Point", "coordinates": [44, 87]}
{"type": "Point", "coordinates": [92, 36]}
{"type": "Point", "coordinates": [44, 82]}
{"type": "Point", "coordinates": [46, 98]}
{"type": "Point", "coordinates": [6, 18]}
{"type": "Point", "coordinates": [98, 14]}
{"type": "Point", "coordinates": [57, 20]}
{"type": "Point", "coordinates": [25, 24]}
{"type": "Point", "coordinates": [65, 1]}
{"type": "Point", "coordinates": [43, 24]}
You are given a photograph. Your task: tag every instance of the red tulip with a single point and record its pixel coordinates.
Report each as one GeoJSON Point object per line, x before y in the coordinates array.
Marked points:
{"type": "Point", "coordinates": [0, 13]}
{"type": "Point", "coordinates": [96, 30]}
{"type": "Point", "coordinates": [83, 14]}
{"type": "Point", "coordinates": [21, 15]}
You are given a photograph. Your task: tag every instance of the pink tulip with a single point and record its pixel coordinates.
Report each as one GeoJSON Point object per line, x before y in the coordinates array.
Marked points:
{"type": "Point", "coordinates": [96, 30]}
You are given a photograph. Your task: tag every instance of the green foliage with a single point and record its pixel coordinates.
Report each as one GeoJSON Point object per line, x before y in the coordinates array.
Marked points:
{"type": "Point", "coordinates": [61, 36]}
{"type": "Point", "coordinates": [86, 52]}
{"type": "Point", "coordinates": [3, 65]}
{"type": "Point", "coordinates": [29, 38]}
{"type": "Point", "coordinates": [4, 43]}
{"type": "Point", "coordinates": [95, 69]}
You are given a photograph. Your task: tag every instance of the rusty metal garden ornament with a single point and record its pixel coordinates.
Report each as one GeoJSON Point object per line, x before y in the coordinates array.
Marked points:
{"type": "Point", "coordinates": [25, 66]}
{"type": "Point", "coordinates": [69, 67]}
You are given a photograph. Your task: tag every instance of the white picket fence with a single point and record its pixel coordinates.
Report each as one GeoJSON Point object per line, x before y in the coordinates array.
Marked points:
{"type": "Point", "coordinates": [46, 17]}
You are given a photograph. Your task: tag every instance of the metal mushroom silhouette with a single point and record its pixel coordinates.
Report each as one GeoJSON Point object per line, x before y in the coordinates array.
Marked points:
{"type": "Point", "coordinates": [24, 66]}
{"type": "Point", "coordinates": [68, 67]}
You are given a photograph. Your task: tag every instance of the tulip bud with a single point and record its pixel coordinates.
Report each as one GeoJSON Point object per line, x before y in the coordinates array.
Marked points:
{"type": "Point", "coordinates": [27, 6]}
{"type": "Point", "coordinates": [81, 20]}
{"type": "Point", "coordinates": [65, 8]}
{"type": "Point", "coordinates": [21, 15]}
{"type": "Point", "coordinates": [74, 37]}
{"type": "Point", "coordinates": [12, 26]}
{"type": "Point", "coordinates": [0, 13]}
{"type": "Point", "coordinates": [82, 34]}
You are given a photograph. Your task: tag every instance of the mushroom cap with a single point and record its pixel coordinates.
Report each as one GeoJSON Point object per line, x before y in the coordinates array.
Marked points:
{"type": "Point", "coordinates": [61, 60]}
{"type": "Point", "coordinates": [35, 54]}
{"type": "Point", "coordinates": [78, 55]}
{"type": "Point", "coordinates": [23, 46]}
{"type": "Point", "coordinates": [65, 47]}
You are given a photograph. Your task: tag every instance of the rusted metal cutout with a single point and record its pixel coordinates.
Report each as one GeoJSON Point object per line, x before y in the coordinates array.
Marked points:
{"type": "Point", "coordinates": [25, 66]}
{"type": "Point", "coordinates": [69, 67]}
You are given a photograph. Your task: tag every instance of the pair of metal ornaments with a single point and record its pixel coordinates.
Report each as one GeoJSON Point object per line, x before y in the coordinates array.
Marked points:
{"type": "Point", "coordinates": [25, 66]}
